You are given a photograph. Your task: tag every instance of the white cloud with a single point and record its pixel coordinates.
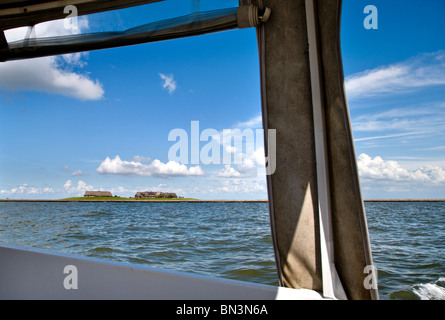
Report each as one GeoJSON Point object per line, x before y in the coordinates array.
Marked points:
{"type": "Point", "coordinates": [156, 168]}
{"type": "Point", "coordinates": [77, 173]}
{"type": "Point", "coordinates": [423, 121]}
{"type": "Point", "coordinates": [248, 168]}
{"type": "Point", "coordinates": [141, 159]}
{"type": "Point", "coordinates": [43, 74]}
{"type": "Point", "coordinates": [253, 123]}
{"type": "Point", "coordinates": [26, 189]}
{"type": "Point", "coordinates": [251, 136]}
{"type": "Point", "coordinates": [417, 118]}
{"type": "Point", "coordinates": [168, 82]}
{"type": "Point", "coordinates": [49, 74]}
{"type": "Point", "coordinates": [258, 156]}
{"type": "Point", "coordinates": [80, 188]}
{"type": "Point", "coordinates": [377, 169]}
{"type": "Point", "coordinates": [230, 149]}
{"type": "Point", "coordinates": [228, 172]}
{"type": "Point", "coordinates": [241, 186]}
{"type": "Point", "coordinates": [388, 136]}
{"type": "Point", "coordinates": [422, 71]}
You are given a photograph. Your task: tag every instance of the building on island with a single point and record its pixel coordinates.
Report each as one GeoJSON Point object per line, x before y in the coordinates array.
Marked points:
{"type": "Point", "coordinates": [98, 194]}
{"type": "Point", "coordinates": [168, 195]}
{"type": "Point", "coordinates": [153, 195]}
{"type": "Point", "coordinates": [148, 194]}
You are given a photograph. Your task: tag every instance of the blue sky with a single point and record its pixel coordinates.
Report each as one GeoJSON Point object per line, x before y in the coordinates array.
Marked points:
{"type": "Point", "coordinates": [101, 120]}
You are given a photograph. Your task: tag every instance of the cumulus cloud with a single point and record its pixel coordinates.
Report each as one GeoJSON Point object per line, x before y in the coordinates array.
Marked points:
{"type": "Point", "coordinates": [81, 187]}
{"type": "Point", "coordinates": [26, 189]}
{"type": "Point", "coordinates": [44, 74]}
{"type": "Point", "coordinates": [168, 82]}
{"type": "Point", "coordinates": [141, 159]}
{"type": "Point", "coordinates": [155, 169]}
{"type": "Point", "coordinates": [377, 169]}
{"type": "Point", "coordinates": [50, 74]}
{"type": "Point", "coordinates": [247, 168]}
{"type": "Point", "coordinates": [422, 71]}
{"type": "Point", "coordinates": [247, 153]}
{"type": "Point", "coordinates": [228, 172]}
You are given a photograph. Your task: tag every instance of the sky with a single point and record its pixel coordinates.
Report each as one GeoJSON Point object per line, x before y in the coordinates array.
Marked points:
{"type": "Point", "coordinates": [113, 119]}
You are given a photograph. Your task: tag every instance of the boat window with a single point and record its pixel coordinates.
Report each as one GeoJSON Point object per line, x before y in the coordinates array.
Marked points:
{"type": "Point", "coordinates": [180, 119]}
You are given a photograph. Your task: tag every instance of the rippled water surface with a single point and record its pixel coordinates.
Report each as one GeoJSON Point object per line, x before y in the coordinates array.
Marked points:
{"type": "Point", "coordinates": [408, 245]}
{"type": "Point", "coordinates": [229, 240]}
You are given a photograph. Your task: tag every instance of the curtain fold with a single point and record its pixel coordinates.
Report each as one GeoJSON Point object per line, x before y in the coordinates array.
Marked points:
{"type": "Point", "coordinates": [293, 192]}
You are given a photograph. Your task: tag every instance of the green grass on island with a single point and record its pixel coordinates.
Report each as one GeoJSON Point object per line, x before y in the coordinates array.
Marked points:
{"type": "Point", "coordinates": [123, 199]}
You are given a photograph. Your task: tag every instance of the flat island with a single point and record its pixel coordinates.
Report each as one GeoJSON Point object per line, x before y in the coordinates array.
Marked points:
{"type": "Point", "coordinates": [123, 199]}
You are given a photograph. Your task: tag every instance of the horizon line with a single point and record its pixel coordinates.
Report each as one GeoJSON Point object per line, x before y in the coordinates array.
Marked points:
{"type": "Point", "coordinates": [198, 200]}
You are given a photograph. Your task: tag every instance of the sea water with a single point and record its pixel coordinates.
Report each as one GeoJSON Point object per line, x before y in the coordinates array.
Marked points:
{"type": "Point", "coordinates": [228, 240]}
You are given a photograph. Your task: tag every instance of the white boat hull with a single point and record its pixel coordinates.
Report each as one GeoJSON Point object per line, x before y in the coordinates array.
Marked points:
{"type": "Point", "coordinates": [40, 274]}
